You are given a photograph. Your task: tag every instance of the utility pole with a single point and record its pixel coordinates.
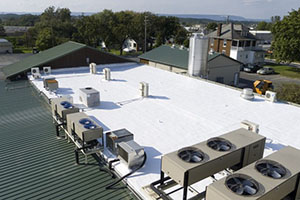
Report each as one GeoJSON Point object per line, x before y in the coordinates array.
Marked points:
{"type": "Point", "coordinates": [146, 20]}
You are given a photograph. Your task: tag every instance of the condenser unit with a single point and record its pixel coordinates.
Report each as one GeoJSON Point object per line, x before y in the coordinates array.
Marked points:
{"type": "Point", "coordinates": [61, 107]}
{"type": "Point", "coordinates": [89, 97]}
{"type": "Point", "coordinates": [35, 71]}
{"type": "Point", "coordinates": [234, 150]}
{"type": "Point", "coordinates": [45, 81]}
{"type": "Point", "coordinates": [84, 127]}
{"type": "Point", "coordinates": [47, 70]}
{"type": "Point", "coordinates": [115, 137]}
{"type": "Point", "coordinates": [270, 96]}
{"type": "Point", "coordinates": [273, 177]}
{"type": "Point", "coordinates": [131, 153]}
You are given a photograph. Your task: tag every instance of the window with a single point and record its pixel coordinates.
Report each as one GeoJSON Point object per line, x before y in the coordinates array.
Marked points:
{"type": "Point", "coordinates": [212, 42]}
{"type": "Point", "coordinates": [224, 43]}
{"type": "Point", "coordinates": [246, 56]}
{"type": "Point", "coordinates": [253, 43]}
{"type": "Point", "coordinates": [223, 51]}
{"type": "Point", "coordinates": [134, 44]}
{"type": "Point", "coordinates": [234, 43]}
{"type": "Point", "coordinates": [248, 43]}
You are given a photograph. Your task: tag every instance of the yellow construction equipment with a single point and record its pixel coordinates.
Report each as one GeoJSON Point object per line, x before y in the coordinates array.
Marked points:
{"type": "Point", "coordinates": [261, 86]}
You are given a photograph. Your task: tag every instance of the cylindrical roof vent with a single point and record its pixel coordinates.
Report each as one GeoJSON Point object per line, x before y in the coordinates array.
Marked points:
{"type": "Point", "coordinates": [247, 94]}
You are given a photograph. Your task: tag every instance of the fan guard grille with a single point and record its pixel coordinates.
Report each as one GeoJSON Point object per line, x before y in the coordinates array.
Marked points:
{"type": "Point", "coordinates": [241, 184]}
{"type": "Point", "coordinates": [191, 155]}
{"type": "Point", "coordinates": [270, 169]}
{"type": "Point", "coordinates": [219, 144]}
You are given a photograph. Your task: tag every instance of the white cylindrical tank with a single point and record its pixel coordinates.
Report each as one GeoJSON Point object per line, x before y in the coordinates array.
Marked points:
{"type": "Point", "coordinates": [198, 55]}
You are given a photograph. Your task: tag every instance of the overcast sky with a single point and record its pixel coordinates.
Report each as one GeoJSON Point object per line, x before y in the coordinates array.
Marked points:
{"type": "Point", "coordinates": [246, 8]}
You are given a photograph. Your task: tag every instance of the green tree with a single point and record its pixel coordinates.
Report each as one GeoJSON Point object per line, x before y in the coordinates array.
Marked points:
{"type": "Point", "coordinates": [180, 36]}
{"type": "Point", "coordinates": [262, 25]}
{"type": "Point", "coordinates": [286, 38]}
{"type": "Point", "coordinates": [212, 26]}
{"type": "Point", "coordinates": [289, 92]}
{"type": "Point", "coordinates": [2, 31]}
{"type": "Point", "coordinates": [45, 39]}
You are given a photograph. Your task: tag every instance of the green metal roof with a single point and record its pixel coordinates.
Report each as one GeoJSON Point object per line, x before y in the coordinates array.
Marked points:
{"type": "Point", "coordinates": [41, 58]}
{"type": "Point", "coordinates": [36, 165]}
{"type": "Point", "coordinates": [173, 56]}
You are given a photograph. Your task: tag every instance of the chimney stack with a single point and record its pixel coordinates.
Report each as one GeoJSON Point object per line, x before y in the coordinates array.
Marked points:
{"type": "Point", "coordinates": [219, 31]}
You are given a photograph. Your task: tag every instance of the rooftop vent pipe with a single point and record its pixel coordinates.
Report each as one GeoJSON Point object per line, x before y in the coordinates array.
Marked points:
{"type": "Point", "coordinates": [198, 55]}
{"type": "Point", "coordinates": [247, 94]}
{"type": "Point", "coordinates": [93, 69]}
{"type": "Point", "coordinates": [144, 88]}
{"type": "Point", "coordinates": [106, 72]}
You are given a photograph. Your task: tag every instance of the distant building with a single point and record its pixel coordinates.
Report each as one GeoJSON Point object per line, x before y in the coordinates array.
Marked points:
{"type": "Point", "coordinates": [265, 37]}
{"type": "Point", "coordinates": [236, 41]}
{"type": "Point", "coordinates": [221, 68]}
{"type": "Point", "coordinates": [5, 46]}
{"type": "Point", "coordinates": [16, 30]}
{"type": "Point", "coordinates": [129, 45]}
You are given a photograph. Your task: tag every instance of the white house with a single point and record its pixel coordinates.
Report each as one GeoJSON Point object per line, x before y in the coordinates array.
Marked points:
{"type": "Point", "coordinates": [129, 45]}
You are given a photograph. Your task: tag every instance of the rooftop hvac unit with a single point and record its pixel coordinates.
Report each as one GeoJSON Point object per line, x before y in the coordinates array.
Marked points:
{"type": "Point", "coordinates": [247, 94]}
{"type": "Point", "coordinates": [131, 153]}
{"type": "Point", "coordinates": [250, 126]}
{"type": "Point", "coordinates": [270, 96]}
{"type": "Point", "coordinates": [61, 107]}
{"type": "Point", "coordinates": [115, 137]}
{"type": "Point", "coordinates": [45, 81]}
{"type": "Point", "coordinates": [35, 72]}
{"type": "Point", "coordinates": [47, 70]}
{"type": "Point", "coordinates": [84, 127]}
{"type": "Point", "coordinates": [89, 97]}
{"type": "Point", "coordinates": [234, 150]}
{"type": "Point", "coordinates": [106, 72]}
{"type": "Point", "coordinates": [50, 84]}
{"type": "Point", "coordinates": [144, 88]}
{"type": "Point", "coordinates": [93, 69]}
{"type": "Point", "coordinates": [273, 177]}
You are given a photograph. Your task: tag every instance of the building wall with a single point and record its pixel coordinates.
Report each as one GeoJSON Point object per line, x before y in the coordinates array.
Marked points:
{"type": "Point", "coordinates": [79, 58]}
{"type": "Point", "coordinates": [223, 68]}
{"type": "Point", "coordinates": [218, 46]}
{"type": "Point", "coordinates": [164, 67]}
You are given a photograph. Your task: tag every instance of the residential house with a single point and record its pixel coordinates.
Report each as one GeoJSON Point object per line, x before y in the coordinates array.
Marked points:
{"type": "Point", "coordinates": [236, 41]}
{"type": "Point", "coordinates": [129, 45]}
{"type": "Point", "coordinates": [5, 46]}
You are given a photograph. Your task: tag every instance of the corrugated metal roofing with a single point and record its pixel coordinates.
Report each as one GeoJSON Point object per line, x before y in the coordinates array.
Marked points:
{"type": "Point", "coordinates": [42, 58]}
{"type": "Point", "coordinates": [36, 165]}
{"type": "Point", "coordinates": [171, 56]}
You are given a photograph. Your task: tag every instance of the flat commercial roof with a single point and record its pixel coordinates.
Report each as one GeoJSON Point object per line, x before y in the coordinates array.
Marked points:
{"type": "Point", "coordinates": [36, 165]}
{"type": "Point", "coordinates": [179, 112]}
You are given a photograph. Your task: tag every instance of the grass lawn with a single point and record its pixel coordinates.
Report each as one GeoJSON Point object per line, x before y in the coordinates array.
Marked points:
{"type": "Point", "coordinates": [287, 71]}
{"type": "Point", "coordinates": [22, 50]}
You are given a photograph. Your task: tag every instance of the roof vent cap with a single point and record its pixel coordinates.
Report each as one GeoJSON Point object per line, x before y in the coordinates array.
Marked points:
{"type": "Point", "coordinates": [247, 94]}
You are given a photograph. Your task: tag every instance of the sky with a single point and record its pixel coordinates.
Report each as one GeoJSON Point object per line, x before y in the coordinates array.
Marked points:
{"type": "Point", "coordinates": [255, 9]}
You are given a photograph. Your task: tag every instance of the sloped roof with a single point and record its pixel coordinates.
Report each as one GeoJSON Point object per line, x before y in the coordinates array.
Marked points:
{"type": "Point", "coordinates": [42, 58]}
{"type": "Point", "coordinates": [174, 56]}
{"type": "Point", "coordinates": [232, 31]}
{"type": "Point", "coordinates": [42, 167]}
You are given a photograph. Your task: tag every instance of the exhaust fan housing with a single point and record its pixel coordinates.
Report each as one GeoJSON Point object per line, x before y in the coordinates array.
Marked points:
{"type": "Point", "coordinates": [61, 107]}
{"type": "Point", "coordinates": [89, 97]}
{"type": "Point", "coordinates": [131, 153]}
{"type": "Point", "coordinates": [275, 177]}
{"type": "Point", "coordinates": [270, 96]}
{"type": "Point", "coordinates": [115, 137]}
{"type": "Point", "coordinates": [234, 149]}
{"type": "Point", "coordinates": [84, 127]}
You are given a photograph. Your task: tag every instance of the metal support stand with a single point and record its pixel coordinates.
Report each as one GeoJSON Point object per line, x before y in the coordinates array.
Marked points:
{"type": "Point", "coordinates": [76, 156]}
{"type": "Point", "coordinates": [185, 185]}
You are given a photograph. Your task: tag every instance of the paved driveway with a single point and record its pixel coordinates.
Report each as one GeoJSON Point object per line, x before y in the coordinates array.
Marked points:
{"type": "Point", "coordinates": [247, 79]}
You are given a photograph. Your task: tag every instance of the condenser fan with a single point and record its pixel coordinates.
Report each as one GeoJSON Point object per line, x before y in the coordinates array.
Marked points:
{"type": "Point", "coordinates": [85, 121]}
{"type": "Point", "coordinates": [90, 126]}
{"type": "Point", "coordinates": [191, 155]}
{"type": "Point", "coordinates": [242, 185]}
{"type": "Point", "coordinates": [66, 104]}
{"type": "Point", "coordinates": [271, 169]}
{"type": "Point", "coordinates": [219, 144]}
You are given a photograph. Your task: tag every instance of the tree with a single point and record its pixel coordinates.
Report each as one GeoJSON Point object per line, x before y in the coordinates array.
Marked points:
{"type": "Point", "coordinates": [45, 39]}
{"type": "Point", "coordinates": [212, 26]}
{"type": "Point", "coordinates": [2, 31]}
{"type": "Point", "coordinates": [286, 38]}
{"type": "Point", "coordinates": [181, 36]}
{"type": "Point", "coordinates": [289, 92]}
